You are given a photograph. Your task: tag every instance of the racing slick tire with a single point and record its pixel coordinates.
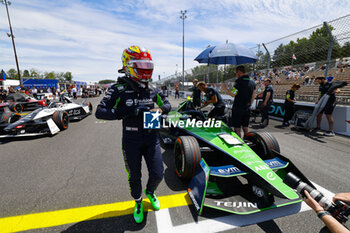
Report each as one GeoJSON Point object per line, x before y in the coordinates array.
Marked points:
{"type": "Point", "coordinates": [263, 144]}
{"type": "Point", "coordinates": [61, 119]}
{"type": "Point", "coordinates": [16, 107]}
{"type": "Point", "coordinates": [187, 156]}
{"type": "Point", "coordinates": [9, 117]}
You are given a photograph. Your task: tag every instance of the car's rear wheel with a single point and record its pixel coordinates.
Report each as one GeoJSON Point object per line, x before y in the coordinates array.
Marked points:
{"type": "Point", "coordinates": [263, 144]}
{"type": "Point", "coordinates": [61, 119]}
{"type": "Point", "coordinates": [9, 117]}
{"type": "Point", "coordinates": [16, 107]}
{"type": "Point", "coordinates": [187, 156]}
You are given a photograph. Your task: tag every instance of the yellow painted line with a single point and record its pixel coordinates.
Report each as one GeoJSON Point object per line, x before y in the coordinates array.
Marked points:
{"type": "Point", "coordinates": [62, 217]}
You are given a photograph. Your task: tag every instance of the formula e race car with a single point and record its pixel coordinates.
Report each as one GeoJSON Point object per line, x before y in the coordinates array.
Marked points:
{"type": "Point", "coordinates": [224, 171]}
{"type": "Point", "coordinates": [47, 120]}
{"type": "Point", "coordinates": [18, 102]}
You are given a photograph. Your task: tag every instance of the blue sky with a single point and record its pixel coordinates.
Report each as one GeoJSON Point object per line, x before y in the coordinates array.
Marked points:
{"type": "Point", "coordinates": [87, 37]}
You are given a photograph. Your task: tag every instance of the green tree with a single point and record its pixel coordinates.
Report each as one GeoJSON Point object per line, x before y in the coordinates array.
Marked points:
{"type": "Point", "coordinates": [60, 75]}
{"type": "Point", "coordinates": [34, 73]}
{"type": "Point", "coordinates": [12, 74]}
{"type": "Point", "coordinates": [26, 74]}
{"type": "Point", "coordinates": [50, 75]}
{"type": "Point", "coordinates": [345, 50]}
{"type": "Point", "coordinates": [106, 81]}
{"type": "Point", "coordinates": [68, 76]}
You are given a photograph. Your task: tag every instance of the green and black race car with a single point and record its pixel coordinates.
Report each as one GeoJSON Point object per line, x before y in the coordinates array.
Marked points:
{"type": "Point", "coordinates": [226, 172]}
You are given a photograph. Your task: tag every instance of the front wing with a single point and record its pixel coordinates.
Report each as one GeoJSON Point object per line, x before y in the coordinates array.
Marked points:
{"type": "Point", "coordinates": [209, 188]}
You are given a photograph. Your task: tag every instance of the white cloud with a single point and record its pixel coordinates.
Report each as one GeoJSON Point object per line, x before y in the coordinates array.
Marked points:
{"type": "Point", "coordinates": [88, 37]}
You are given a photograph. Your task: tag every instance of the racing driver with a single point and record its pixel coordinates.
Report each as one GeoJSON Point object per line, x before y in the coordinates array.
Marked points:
{"type": "Point", "coordinates": [128, 100]}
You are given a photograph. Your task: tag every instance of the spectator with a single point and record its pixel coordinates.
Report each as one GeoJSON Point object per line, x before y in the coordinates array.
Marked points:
{"type": "Point", "coordinates": [177, 92]}
{"type": "Point", "coordinates": [330, 78]}
{"type": "Point", "coordinates": [3, 94]}
{"type": "Point", "coordinates": [341, 65]}
{"type": "Point", "coordinates": [330, 105]}
{"type": "Point", "coordinates": [74, 91]}
{"type": "Point", "coordinates": [34, 92]}
{"type": "Point", "coordinates": [289, 104]}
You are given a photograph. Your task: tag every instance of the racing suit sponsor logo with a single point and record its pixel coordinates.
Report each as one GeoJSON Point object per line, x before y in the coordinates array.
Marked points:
{"type": "Point", "coordinates": [143, 101]}
{"type": "Point", "coordinates": [237, 204]}
{"type": "Point", "coordinates": [129, 102]}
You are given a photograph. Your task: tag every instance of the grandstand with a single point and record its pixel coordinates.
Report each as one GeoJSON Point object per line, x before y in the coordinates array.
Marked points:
{"type": "Point", "coordinates": [309, 92]}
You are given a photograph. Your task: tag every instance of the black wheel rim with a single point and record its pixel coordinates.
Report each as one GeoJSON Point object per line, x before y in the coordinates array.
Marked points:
{"type": "Point", "coordinates": [65, 120]}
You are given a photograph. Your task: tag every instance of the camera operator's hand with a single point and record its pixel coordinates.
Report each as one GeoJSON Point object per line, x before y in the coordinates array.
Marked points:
{"type": "Point", "coordinates": [342, 197]}
{"type": "Point", "coordinates": [331, 223]}
{"type": "Point", "coordinates": [312, 203]}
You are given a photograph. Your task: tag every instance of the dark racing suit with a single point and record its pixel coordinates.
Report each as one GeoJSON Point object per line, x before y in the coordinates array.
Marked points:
{"type": "Point", "coordinates": [127, 100]}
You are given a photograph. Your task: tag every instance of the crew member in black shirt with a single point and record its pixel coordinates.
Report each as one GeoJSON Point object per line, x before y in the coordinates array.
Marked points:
{"type": "Point", "coordinates": [267, 100]}
{"type": "Point", "coordinates": [196, 94]}
{"type": "Point", "coordinates": [289, 104]}
{"type": "Point", "coordinates": [330, 105]}
{"type": "Point", "coordinates": [244, 94]}
{"type": "Point", "coordinates": [212, 97]}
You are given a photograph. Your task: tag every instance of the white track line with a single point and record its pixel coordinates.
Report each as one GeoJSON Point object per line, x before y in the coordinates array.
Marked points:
{"type": "Point", "coordinates": [164, 223]}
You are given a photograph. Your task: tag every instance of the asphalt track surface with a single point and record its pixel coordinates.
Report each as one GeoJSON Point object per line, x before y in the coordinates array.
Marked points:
{"type": "Point", "coordinates": [45, 181]}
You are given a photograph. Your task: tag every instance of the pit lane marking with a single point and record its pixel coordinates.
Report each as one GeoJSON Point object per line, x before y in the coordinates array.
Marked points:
{"type": "Point", "coordinates": [67, 216]}
{"type": "Point", "coordinates": [164, 223]}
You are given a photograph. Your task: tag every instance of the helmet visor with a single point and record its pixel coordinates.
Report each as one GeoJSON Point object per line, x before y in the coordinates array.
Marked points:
{"type": "Point", "coordinates": [141, 64]}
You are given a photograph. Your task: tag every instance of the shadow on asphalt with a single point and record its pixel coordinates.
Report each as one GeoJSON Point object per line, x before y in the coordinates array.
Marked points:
{"type": "Point", "coordinates": [108, 225]}
{"type": "Point", "coordinates": [312, 135]}
{"type": "Point", "coordinates": [170, 177]}
{"type": "Point", "coordinates": [16, 139]}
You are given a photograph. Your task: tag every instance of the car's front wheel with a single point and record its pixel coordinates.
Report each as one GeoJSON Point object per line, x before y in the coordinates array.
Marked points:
{"type": "Point", "coordinates": [61, 119]}
{"type": "Point", "coordinates": [263, 144]}
{"type": "Point", "coordinates": [187, 156]}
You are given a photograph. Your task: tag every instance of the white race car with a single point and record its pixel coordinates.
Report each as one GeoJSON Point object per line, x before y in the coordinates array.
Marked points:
{"type": "Point", "coordinates": [47, 120]}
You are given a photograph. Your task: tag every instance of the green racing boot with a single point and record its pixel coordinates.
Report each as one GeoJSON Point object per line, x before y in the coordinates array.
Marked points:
{"type": "Point", "coordinates": [138, 212]}
{"type": "Point", "coordinates": [153, 199]}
